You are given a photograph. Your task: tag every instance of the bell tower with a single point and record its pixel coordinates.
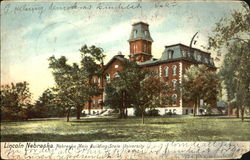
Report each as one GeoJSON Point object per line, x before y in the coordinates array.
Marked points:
{"type": "Point", "coordinates": [140, 42]}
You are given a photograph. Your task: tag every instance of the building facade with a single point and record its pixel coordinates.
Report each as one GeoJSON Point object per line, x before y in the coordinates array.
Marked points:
{"type": "Point", "coordinates": [174, 60]}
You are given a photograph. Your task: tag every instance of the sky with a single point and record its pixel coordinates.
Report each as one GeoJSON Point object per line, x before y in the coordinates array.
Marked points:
{"type": "Point", "coordinates": [31, 32]}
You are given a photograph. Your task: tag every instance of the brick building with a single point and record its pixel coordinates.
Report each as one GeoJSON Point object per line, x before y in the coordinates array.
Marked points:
{"type": "Point", "coordinates": [170, 67]}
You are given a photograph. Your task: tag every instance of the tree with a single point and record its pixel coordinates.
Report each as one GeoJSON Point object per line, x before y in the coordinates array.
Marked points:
{"type": "Point", "coordinates": [73, 82]}
{"type": "Point", "coordinates": [72, 87]}
{"type": "Point", "coordinates": [233, 35]}
{"type": "Point", "coordinates": [46, 106]}
{"type": "Point", "coordinates": [15, 101]}
{"type": "Point", "coordinates": [153, 92]}
{"type": "Point", "coordinates": [120, 92]}
{"type": "Point", "coordinates": [199, 83]}
{"type": "Point", "coordinates": [135, 88]}
{"type": "Point", "coordinates": [92, 62]}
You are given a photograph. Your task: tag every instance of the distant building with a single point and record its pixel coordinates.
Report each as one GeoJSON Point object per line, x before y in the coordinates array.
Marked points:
{"type": "Point", "coordinates": [171, 66]}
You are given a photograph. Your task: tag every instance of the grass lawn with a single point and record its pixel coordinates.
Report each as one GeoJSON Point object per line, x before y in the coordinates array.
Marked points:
{"type": "Point", "coordinates": [131, 129]}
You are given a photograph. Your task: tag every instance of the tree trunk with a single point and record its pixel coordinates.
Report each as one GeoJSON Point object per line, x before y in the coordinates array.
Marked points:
{"type": "Point", "coordinates": [126, 112]}
{"type": "Point", "coordinates": [194, 108]}
{"type": "Point", "coordinates": [142, 115]}
{"type": "Point", "coordinates": [68, 114]}
{"type": "Point", "coordinates": [124, 105]}
{"type": "Point", "coordinates": [237, 112]}
{"type": "Point", "coordinates": [121, 113]}
{"type": "Point", "coordinates": [242, 114]}
{"type": "Point", "coordinates": [89, 106]}
{"type": "Point", "coordinates": [78, 112]}
{"type": "Point", "coordinates": [89, 101]}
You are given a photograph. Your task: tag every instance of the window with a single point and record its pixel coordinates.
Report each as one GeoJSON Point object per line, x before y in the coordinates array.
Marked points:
{"type": "Point", "coordinates": [100, 101]}
{"type": "Point", "coordinates": [116, 75]}
{"type": "Point", "coordinates": [186, 111]}
{"type": "Point", "coordinates": [135, 32]}
{"type": "Point", "coordinates": [174, 70]}
{"type": "Point", "coordinates": [166, 71]}
{"type": "Point", "coordinates": [99, 80]}
{"type": "Point", "coordinates": [206, 60]}
{"type": "Point", "coordinates": [170, 54]}
{"type": "Point", "coordinates": [174, 111]}
{"type": "Point", "coordinates": [192, 111]}
{"type": "Point", "coordinates": [134, 47]}
{"type": "Point", "coordinates": [94, 79]}
{"type": "Point", "coordinates": [146, 33]}
{"type": "Point", "coordinates": [174, 99]}
{"type": "Point", "coordinates": [145, 48]}
{"type": "Point", "coordinates": [108, 78]}
{"type": "Point", "coordinates": [116, 66]}
{"type": "Point", "coordinates": [198, 57]}
{"type": "Point", "coordinates": [174, 83]}
{"type": "Point", "coordinates": [184, 53]}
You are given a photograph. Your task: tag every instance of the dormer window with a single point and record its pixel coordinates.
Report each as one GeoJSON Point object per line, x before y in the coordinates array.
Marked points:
{"type": "Point", "coordinates": [211, 61]}
{"type": "Point", "coordinates": [182, 53]}
{"type": "Point", "coordinates": [170, 54]}
{"type": "Point", "coordinates": [206, 60]}
{"type": "Point", "coordinates": [135, 33]}
{"type": "Point", "coordinates": [146, 32]}
{"type": "Point", "coordinates": [199, 57]}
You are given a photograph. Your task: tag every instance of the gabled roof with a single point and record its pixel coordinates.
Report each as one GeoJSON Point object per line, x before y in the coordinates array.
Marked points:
{"type": "Point", "coordinates": [116, 57]}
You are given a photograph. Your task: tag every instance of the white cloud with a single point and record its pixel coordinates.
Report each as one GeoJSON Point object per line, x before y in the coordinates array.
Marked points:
{"type": "Point", "coordinates": [114, 33]}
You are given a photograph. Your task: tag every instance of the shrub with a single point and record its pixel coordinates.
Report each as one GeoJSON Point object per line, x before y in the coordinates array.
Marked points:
{"type": "Point", "coordinates": [169, 114]}
{"type": "Point", "coordinates": [153, 112]}
{"type": "Point", "coordinates": [137, 112]}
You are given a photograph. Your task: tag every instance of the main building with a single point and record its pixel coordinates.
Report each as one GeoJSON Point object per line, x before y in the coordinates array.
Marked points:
{"type": "Point", "coordinates": [174, 60]}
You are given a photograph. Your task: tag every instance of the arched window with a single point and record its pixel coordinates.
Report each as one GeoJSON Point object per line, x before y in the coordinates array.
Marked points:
{"type": "Point", "coordinates": [199, 57]}
{"type": "Point", "coordinates": [174, 69]}
{"type": "Point", "coordinates": [174, 99]}
{"type": "Point", "coordinates": [116, 75]}
{"type": "Point", "coordinates": [135, 32]}
{"type": "Point", "coordinates": [166, 71]}
{"type": "Point", "coordinates": [99, 80]}
{"type": "Point", "coordinates": [174, 83]}
{"type": "Point", "coordinates": [108, 77]}
{"type": "Point", "coordinates": [145, 48]}
{"type": "Point", "coordinates": [94, 79]}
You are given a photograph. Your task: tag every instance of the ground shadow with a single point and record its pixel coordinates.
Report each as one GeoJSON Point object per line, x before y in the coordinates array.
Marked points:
{"type": "Point", "coordinates": [165, 123]}
{"type": "Point", "coordinates": [39, 137]}
{"type": "Point", "coordinates": [95, 120]}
